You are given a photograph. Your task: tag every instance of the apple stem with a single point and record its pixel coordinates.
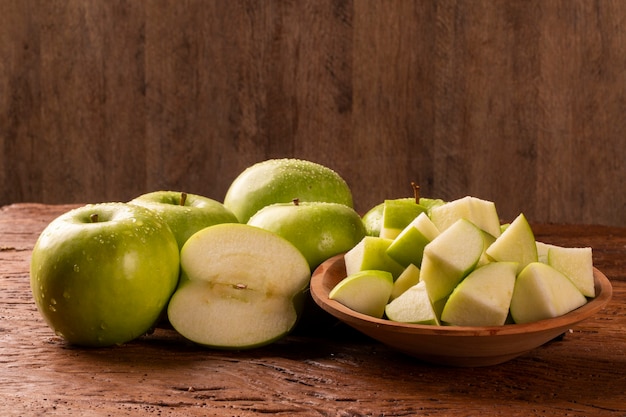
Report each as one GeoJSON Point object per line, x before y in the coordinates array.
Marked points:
{"type": "Point", "coordinates": [183, 198]}
{"type": "Point", "coordinates": [296, 201]}
{"type": "Point", "coordinates": [94, 217]}
{"type": "Point", "coordinates": [416, 192]}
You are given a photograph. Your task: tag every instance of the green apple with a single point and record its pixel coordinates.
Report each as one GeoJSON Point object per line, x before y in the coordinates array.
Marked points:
{"type": "Point", "coordinates": [281, 181]}
{"type": "Point", "coordinates": [102, 274]}
{"type": "Point", "coordinates": [408, 278]}
{"type": "Point", "coordinates": [482, 213]}
{"type": "Point", "coordinates": [185, 213]}
{"type": "Point", "coordinates": [241, 287]}
{"type": "Point", "coordinates": [397, 214]}
{"type": "Point", "coordinates": [450, 257]}
{"type": "Point", "coordinates": [372, 220]}
{"type": "Point", "coordinates": [366, 292]}
{"type": "Point", "coordinates": [408, 247]}
{"type": "Point", "coordinates": [430, 203]}
{"type": "Point", "coordinates": [319, 230]}
{"type": "Point", "coordinates": [542, 292]}
{"type": "Point", "coordinates": [371, 253]}
{"type": "Point", "coordinates": [516, 244]}
{"type": "Point", "coordinates": [483, 297]}
{"type": "Point", "coordinates": [413, 306]}
{"type": "Point", "coordinates": [576, 264]}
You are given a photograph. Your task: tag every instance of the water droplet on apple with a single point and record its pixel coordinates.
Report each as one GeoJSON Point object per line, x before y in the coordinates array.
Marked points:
{"type": "Point", "coordinates": [76, 268]}
{"type": "Point", "coordinates": [53, 301]}
{"type": "Point", "coordinates": [66, 295]}
{"type": "Point", "coordinates": [103, 326]}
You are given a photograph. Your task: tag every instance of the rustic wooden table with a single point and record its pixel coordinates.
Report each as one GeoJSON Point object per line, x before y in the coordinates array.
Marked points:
{"type": "Point", "coordinates": [323, 368]}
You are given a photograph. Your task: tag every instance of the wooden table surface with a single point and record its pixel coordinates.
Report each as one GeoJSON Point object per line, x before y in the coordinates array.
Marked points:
{"type": "Point", "coordinates": [322, 369]}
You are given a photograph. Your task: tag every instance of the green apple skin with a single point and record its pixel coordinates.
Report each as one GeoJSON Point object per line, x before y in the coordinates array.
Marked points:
{"type": "Point", "coordinates": [541, 292]}
{"type": "Point", "coordinates": [366, 292]}
{"type": "Point", "coordinates": [196, 212]}
{"type": "Point", "coordinates": [397, 214]}
{"type": "Point", "coordinates": [408, 247]}
{"type": "Point", "coordinates": [371, 254]}
{"type": "Point", "coordinates": [483, 297]}
{"type": "Point", "coordinates": [281, 181]}
{"type": "Point", "coordinates": [372, 220]}
{"type": "Point", "coordinates": [105, 281]}
{"type": "Point", "coordinates": [576, 264]}
{"type": "Point", "coordinates": [516, 244]}
{"type": "Point", "coordinates": [450, 257]}
{"type": "Point", "coordinates": [319, 230]}
{"type": "Point", "coordinates": [241, 287]}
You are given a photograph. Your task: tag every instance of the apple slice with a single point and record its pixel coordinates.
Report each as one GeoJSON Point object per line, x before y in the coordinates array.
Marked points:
{"type": "Point", "coordinates": [515, 244]}
{"type": "Point", "coordinates": [542, 292]}
{"type": "Point", "coordinates": [576, 264]}
{"type": "Point", "coordinates": [450, 257]}
{"type": "Point", "coordinates": [413, 306]}
{"type": "Point", "coordinates": [371, 253]}
{"type": "Point", "coordinates": [408, 247]}
{"type": "Point", "coordinates": [241, 287]}
{"type": "Point", "coordinates": [366, 292]}
{"type": "Point", "coordinates": [397, 214]}
{"type": "Point", "coordinates": [408, 278]}
{"type": "Point", "coordinates": [483, 297]}
{"type": "Point", "coordinates": [482, 213]}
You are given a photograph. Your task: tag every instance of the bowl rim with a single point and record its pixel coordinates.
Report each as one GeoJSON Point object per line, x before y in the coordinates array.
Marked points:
{"type": "Point", "coordinates": [332, 271]}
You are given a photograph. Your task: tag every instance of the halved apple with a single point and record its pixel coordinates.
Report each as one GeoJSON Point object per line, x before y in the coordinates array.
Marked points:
{"type": "Point", "coordinates": [241, 287]}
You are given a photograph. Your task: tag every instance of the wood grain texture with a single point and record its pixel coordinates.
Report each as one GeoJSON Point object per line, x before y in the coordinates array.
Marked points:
{"type": "Point", "coordinates": [322, 369]}
{"type": "Point", "coordinates": [522, 103]}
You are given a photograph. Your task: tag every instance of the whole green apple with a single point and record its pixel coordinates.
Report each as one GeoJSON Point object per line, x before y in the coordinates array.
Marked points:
{"type": "Point", "coordinates": [282, 181]}
{"type": "Point", "coordinates": [319, 230]}
{"type": "Point", "coordinates": [185, 213]}
{"type": "Point", "coordinates": [102, 274]}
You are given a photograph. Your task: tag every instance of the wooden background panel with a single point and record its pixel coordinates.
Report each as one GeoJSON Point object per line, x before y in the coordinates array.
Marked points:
{"type": "Point", "coordinates": [519, 102]}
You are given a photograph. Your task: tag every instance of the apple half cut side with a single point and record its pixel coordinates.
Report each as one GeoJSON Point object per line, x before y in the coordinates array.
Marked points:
{"type": "Point", "coordinates": [241, 287]}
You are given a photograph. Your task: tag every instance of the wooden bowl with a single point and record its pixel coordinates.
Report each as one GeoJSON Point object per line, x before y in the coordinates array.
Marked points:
{"type": "Point", "coordinates": [453, 345]}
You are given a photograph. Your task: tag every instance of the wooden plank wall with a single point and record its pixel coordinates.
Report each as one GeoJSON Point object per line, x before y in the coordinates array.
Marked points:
{"type": "Point", "coordinates": [521, 102]}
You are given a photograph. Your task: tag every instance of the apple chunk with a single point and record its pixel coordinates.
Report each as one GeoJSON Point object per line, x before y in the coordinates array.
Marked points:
{"type": "Point", "coordinates": [542, 292]}
{"type": "Point", "coordinates": [366, 292]}
{"type": "Point", "coordinates": [483, 297]}
{"type": "Point", "coordinates": [516, 244]}
{"type": "Point", "coordinates": [576, 264]}
{"type": "Point", "coordinates": [450, 257]}
{"type": "Point", "coordinates": [413, 306]}
{"type": "Point", "coordinates": [241, 287]}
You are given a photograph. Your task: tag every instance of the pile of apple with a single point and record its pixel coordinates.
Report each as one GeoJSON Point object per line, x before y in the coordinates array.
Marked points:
{"type": "Point", "coordinates": [427, 261]}
{"type": "Point", "coordinates": [229, 275]}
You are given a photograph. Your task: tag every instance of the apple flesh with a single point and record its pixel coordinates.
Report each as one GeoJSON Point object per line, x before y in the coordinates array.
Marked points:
{"type": "Point", "coordinates": [481, 212]}
{"type": "Point", "coordinates": [369, 254]}
{"type": "Point", "coordinates": [450, 257]}
{"type": "Point", "coordinates": [241, 287]}
{"type": "Point", "coordinates": [281, 181]}
{"type": "Point", "coordinates": [366, 292]}
{"type": "Point", "coordinates": [576, 264]}
{"type": "Point", "coordinates": [516, 244]}
{"type": "Point", "coordinates": [319, 230]}
{"type": "Point", "coordinates": [483, 297]}
{"type": "Point", "coordinates": [413, 306]}
{"type": "Point", "coordinates": [397, 214]}
{"type": "Point", "coordinates": [408, 247]}
{"type": "Point", "coordinates": [542, 292]}
{"type": "Point", "coordinates": [102, 274]}
{"type": "Point", "coordinates": [408, 278]}
{"type": "Point", "coordinates": [185, 213]}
